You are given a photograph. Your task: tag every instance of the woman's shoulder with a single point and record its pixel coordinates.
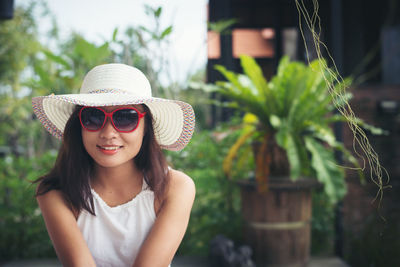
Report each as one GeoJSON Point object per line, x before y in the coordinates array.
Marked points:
{"type": "Point", "coordinates": [179, 183]}
{"type": "Point", "coordinates": [180, 187]}
{"type": "Point", "coordinates": [50, 195]}
{"type": "Point", "coordinates": [54, 198]}
{"type": "Point", "coordinates": [179, 194]}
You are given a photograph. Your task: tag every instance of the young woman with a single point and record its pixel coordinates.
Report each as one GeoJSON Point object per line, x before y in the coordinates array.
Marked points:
{"type": "Point", "coordinates": [111, 199]}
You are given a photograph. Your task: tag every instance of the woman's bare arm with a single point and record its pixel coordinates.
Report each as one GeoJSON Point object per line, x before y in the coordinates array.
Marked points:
{"type": "Point", "coordinates": [63, 230]}
{"type": "Point", "coordinates": [169, 228]}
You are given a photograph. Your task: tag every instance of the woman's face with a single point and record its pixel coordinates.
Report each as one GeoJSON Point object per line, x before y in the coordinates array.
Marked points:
{"type": "Point", "coordinates": [110, 148]}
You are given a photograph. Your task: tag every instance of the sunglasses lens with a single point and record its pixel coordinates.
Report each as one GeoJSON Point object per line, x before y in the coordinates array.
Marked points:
{"type": "Point", "coordinates": [92, 118]}
{"type": "Point", "coordinates": [126, 120]}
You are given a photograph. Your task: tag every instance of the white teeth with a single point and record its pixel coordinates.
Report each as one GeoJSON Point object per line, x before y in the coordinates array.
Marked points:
{"type": "Point", "coordinates": [110, 147]}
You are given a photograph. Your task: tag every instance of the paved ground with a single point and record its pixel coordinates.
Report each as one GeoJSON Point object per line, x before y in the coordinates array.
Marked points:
{"type": "Point", "coordinates": [178, 262]}
{"type": "Point", "coordinates": [327, 262]}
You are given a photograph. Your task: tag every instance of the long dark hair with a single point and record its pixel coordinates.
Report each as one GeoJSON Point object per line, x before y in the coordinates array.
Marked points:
{"type": "Point", "coordinates": [74, 167]}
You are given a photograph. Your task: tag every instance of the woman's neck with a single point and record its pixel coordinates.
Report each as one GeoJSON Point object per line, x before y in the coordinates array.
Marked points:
{"type": "Point", "coordinates": [118, 177]}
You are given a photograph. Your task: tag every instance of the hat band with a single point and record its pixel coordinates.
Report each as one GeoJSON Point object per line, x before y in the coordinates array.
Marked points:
{"type": "Point", "coordinates": [102, 91]}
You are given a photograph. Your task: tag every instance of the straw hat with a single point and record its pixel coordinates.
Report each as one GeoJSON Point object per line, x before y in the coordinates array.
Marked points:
{"type": "Point", "coordinates": [119, 84]}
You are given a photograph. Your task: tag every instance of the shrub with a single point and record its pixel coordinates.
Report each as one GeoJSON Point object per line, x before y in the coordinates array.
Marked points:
{"type": "Point", "coordinates": [22, 230]}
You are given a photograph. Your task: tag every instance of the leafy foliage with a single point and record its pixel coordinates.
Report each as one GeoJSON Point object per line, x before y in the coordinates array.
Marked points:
{"type": "Point", "coordinates": [322, 224]}
{"type": "Point", "coordinates": [295, 110]}
{"type": "Point", "coordinates": [18, 46]}
{"type": "Point", "coordinates": [23, 233]}
{"type": "Point", "coordinates": [18, 42]}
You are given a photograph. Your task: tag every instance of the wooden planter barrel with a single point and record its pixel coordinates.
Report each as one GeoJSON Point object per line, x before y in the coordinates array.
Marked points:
{"type": "Point", "coordinates": [277, 223]}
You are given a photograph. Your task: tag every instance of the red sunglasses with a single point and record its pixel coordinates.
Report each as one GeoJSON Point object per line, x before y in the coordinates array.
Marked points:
{"type": "Point", "coordinates": [124, 120]}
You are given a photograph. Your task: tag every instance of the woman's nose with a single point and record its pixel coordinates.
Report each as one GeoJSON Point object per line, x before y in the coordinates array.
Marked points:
{"type": "Point", "coordinates": [108, 131]}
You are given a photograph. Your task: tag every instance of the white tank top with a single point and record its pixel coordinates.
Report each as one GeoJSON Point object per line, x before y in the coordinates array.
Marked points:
{"type": "Point", "coordinates": [115, 235]}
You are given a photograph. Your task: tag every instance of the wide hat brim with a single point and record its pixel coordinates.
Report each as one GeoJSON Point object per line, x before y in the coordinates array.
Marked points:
{"type": "Point", "coordinates": [173, 121]}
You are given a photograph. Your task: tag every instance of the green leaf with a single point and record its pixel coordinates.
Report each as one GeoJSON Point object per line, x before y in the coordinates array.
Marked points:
{"type": "Point", "coordinates": [157, 12]}
{"type": "Point", "coordinates": [254, 72]}
{"type": "Point", "coordinates": [230, 76]}
{"type": "Point", "coordinates": [326, 135]}
{"type": "Point", "coordinates": [327, 171]}
{"type": "Point", "coordinates": [372, 129]}
{"type": "Point", "coordinates": [323, 132]}
{"type": "Point", "coordinates": [287, 142]}
{"type": "Point", "coordinates": [221, 26]}
{"type": "Point", "coordinates": [350, 158]}
{"type": "Point", "coordinates": [335, 118]}
{"type": "Point", "coordinates": [143, 28]}
{"type": "Point", "coordinates": [237, 89]}
{"type": "Point", "coordinates": [293, 157]}
{"type": "Point", "coordinates": [311, 91]}
{"type": "Point", "coordinates": [275, 121]}
{"type": "Point", "coordinates": [166, 32]}
{"type": "Point", "coordinates": [286, 86]}
{"type": "Point", "coordinates": [114, 35]}
{"type": "Point", "coordinates": [57, 59]}
{"type": "Point", "coordinates": [43, 75]}
{"type": "Point", "coordinates": [91, 53]}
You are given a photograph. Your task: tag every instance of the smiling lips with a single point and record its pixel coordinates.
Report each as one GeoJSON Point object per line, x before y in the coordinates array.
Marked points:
{"type": "Point", "coordinates": [109, 149]}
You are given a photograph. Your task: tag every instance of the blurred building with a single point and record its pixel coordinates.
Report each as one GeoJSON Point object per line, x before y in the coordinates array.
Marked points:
{"type": "Point", "coordinates": [6, 9]}
{"type": "Point", "coordinates": [363, 36]}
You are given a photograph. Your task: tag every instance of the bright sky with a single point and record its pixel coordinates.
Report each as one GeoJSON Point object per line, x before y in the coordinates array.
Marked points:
{"type": "Point", "coordinates": [97, 19]}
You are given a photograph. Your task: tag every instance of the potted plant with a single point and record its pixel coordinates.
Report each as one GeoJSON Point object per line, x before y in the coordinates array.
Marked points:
{"type": "Point", "coordinates": [288, 122]}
